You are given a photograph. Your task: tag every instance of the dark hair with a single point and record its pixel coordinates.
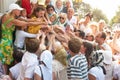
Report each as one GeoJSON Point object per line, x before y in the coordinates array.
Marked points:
{"type": "Point", "coordinates": [39, 8]}
{"type": "Point", "coordinates": [50, 6]}
{"type": "Point", "coordinates": [81, 34]}
{"type": "Point", "coordinates": [17, 55]}
{"type": "Point", "coordinates": [32, 44]}
{"type": "Point", "coordinates": [89, 49]}
{"type": "Point", "coordinates": [74, 45]}
{"type": "Point", "coordinates": [89, 15]}
{"type": "Point", "coordinates": [103, 35]}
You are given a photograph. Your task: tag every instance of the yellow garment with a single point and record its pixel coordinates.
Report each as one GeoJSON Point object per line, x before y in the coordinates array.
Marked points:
{"type": "Point", "coordinates": [34, 29]}
{"type": "Point", "coordinates": [41, 2]}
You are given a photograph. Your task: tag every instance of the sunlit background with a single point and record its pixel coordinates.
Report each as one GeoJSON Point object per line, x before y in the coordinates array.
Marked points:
{"type": "Point", "coordinates": [109, 7]}
{"type": "Point", "coordinates": [110, 10]}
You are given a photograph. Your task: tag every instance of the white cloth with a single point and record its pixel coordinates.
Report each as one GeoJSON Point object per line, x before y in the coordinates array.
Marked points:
{"type": "Point", "coordinates": [58, 11]}
{"type": "Point", "coordinates": [46, 57]}
{"type": "Point", "coordinates": [73, 20]}
{"type": "Point", "coordinates": [87, 30]}
{"type": "Point", "coordinates": [82, 27]}
{"type": "Point", "coordinates": [107, 53]}
{"type": "Point", "coordinates": [116, 71]}
{"type": "Point", "coordinates": [109, 71]}
{"type": "Point", "coordinates": [97, 72]}
{"type": "Point", "coordinates": [29, 61]}
{"type": "Point", "coordinates": [15, 70]}
{"type": "Point", "coordinates": [20, 38]}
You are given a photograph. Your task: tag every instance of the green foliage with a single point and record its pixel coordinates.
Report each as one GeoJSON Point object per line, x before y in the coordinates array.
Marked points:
{"type": "Point", "coordinates": [83, 8]}
{"type": "Point", "coordinates": [116, 18]}
{"type": "Point", "coordinates": [98, 14]}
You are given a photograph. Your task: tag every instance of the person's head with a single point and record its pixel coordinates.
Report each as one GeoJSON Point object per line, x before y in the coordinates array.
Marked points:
{"type": "Point", "coordinates": [24, 13]}
{"type": "Point", "coordinates": [47, 2]}
{"type": "Point", "coordinates": [15, 9]}
{"type": "Point", "coordinates": [50, 9]}
{"type": "Point", "coordinates": [87, 49]}
{"type": "Point", "coordinates": [17, 55]}
{"type": "Point", "coordinates": [32, 45]}
{"type": "Point", "coordinates": [62, 18]}
{"type": "Point", "coordinates": [39, 11]}
{"type": "Point", "coordinates": [59, 4]}
{"type": "Point", "coordinates": [100, 37]}
{"type": "Point", "coordinates": [74, 46]}
{"type": "Point", "coordinates": [80, 34]}
{"type": "Point", "coordinates": [61, 56]}
{"type": "Point", "coordinates": [94, 27]}
{"type": "Point", "coordinates": [53, 18]}
{"type": "Point", "coordinates": [89, 37]}
{"type": "Point", "coordinates": [70, 12]}
{"type": "Point", "coordinates": [101, 25]}
{"type": "Point", "coordinates": [68, 4]}
{"type": "Point", "coordinates": [88, 17]}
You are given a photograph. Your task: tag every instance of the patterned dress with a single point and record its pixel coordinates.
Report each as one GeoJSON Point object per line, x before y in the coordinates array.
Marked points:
{"type": "Point", "coordinates": [6, 48]}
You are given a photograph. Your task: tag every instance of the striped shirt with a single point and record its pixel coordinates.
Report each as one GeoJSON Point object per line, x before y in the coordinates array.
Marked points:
{"type": "Point", "coordinates": [77, 67]}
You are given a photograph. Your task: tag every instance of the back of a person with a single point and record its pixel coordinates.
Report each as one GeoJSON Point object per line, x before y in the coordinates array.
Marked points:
{"type": "Point", "coordinates": [29, 61]}
{"type": "Point", "coordinates": [97, 71]}
{"type": "Point", "coordinates": [79, 68]}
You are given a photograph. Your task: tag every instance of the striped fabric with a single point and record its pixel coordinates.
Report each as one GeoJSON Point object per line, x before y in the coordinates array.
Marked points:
{"type": "Point", "coordinates": [77, 67]}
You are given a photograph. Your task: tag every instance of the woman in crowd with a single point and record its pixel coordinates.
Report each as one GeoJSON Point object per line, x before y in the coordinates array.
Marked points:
{"type": "Point", "coordinates": [50, 10]}
{"type": "Point", "coordinates": [86, 49]}
{"type": "Point", "coordinates": [9, 21]}
{"type": "Point", "coordinates": [39, 13]}
{"type": "Point", "coordinates": [59, 62]}
{"type": "Point", "coordinates": [97, 70]}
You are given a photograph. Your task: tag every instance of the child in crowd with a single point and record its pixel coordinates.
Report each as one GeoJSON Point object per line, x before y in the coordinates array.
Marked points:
{"type": "Point", "coordinates": [21, 34]}
{"type": "Point", "coordinates": [29, 60]}
{"type": "Point", "coordinates": [77, 65]}
{"type": "Point", "coordinates": [14, 71]}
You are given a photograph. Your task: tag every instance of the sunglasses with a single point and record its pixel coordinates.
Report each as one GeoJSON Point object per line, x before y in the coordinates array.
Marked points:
{"type": "Point", "coordinates": [62, 18]}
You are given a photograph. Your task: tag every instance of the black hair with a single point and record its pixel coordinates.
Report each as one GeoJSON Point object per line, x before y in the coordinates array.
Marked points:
{"type": "Point", "coordinates": [17, 55]}
{"type": "Point", "coordinates": [89, 49]}
{"type": "Point", "coordinates": [50, 6]}
{"type": "Point", "coordinates": [81, 34]}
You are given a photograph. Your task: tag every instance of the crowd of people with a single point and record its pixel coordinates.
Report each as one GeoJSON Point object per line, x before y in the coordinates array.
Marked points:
{"type": "Point", "coordinates": [45, 40]}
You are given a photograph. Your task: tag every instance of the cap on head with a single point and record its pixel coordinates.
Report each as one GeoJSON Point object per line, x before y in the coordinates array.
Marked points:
{"type": "Point", "coordinates": [14, 6]}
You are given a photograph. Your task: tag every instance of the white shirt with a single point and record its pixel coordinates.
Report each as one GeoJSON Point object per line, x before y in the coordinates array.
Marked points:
{"type": "Point", "coordinates": [116, 72]}
{"type": "Point", "coordinates": [20, 38]}
{"type": "Point", "coordinates": [73, 20]}
{"type": "Point", "coordinates": [47, 74]}
{"type": "Point", "coordinates": [29, 61]}
{"type": "Point", "coordinates": [97, 72]}
{"type": "Point", "coordinates": [15, 70]}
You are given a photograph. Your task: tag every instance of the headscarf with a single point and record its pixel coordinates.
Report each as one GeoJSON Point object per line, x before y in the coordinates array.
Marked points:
{"type": "Point", "coordinates": [46, 57]}
{"type": "Point", "coordinates": [97, 58]}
